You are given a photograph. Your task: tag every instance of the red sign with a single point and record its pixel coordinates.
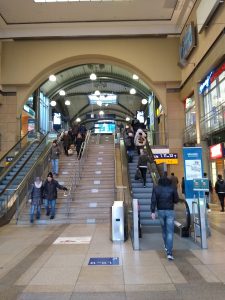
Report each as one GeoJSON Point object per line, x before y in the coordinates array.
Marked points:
{"type": "Point", "coordinates": [216, 151]}
{"type": "Point", "coordinates": [217, 73]}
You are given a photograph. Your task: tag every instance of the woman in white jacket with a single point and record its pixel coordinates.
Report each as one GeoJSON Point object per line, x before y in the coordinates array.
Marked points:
{"type": "Point", "coordinates": [140, 139]}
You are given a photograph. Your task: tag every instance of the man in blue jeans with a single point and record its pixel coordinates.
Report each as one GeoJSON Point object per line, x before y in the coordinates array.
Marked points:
{"type": "Point", "coordinates": [163, 197]}
{"type": "Point", "coordinates": [50, 194]}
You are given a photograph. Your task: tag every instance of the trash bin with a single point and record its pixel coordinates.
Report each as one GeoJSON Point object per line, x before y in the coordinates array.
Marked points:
{"type": "Point", "coordinates": [117, 220]}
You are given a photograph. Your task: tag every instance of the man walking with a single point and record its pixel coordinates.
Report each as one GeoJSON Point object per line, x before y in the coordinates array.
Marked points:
{"type": "Point", "coordinates": [220, 190]}
{"type": "Point", "coordinates": [163, 197]}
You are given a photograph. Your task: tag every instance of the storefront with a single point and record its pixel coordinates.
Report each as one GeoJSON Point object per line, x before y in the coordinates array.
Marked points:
{"type": "Point", "coordinates": [27, 120]}
{"type": "Point", "coordinates": [217, 161]}
{"type": "Point", "coordinates": [212, 90]}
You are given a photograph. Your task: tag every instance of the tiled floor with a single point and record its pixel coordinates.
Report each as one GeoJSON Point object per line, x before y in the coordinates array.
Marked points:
{"type": "Point", "coordinates": [32, 267]}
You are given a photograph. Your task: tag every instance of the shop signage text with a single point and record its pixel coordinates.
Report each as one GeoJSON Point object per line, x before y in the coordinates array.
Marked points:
{"type": "Point", "coordinates": [216, 151]}
{"type": "Point", "coordinates": [210, 78]}
{"type": "Point", "coordinates": [167, 158]}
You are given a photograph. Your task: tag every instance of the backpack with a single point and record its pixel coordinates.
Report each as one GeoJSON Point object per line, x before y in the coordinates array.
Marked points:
{"type": "Point", "coordinates": [141, 140]}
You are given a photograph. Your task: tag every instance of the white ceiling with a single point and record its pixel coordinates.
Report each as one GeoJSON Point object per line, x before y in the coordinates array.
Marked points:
{"type": "Point", "coordinates": [27, 19]}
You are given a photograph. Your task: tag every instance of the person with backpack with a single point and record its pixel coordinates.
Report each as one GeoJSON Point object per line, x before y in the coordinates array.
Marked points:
{"type": "Point", "coordinates": [220, 190]}
{"type": "Point", "coordinates": [140, 140]}
{"type": "Point", "coordinates": [36, 199]}
{"type": "Point", "coordinates": [142, 165]}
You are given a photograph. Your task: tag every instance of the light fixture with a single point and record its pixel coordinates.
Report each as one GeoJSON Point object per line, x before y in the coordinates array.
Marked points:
{"type": "Point", "coordinates": [78, 120]}
{"type": "Point", "coordinates": [135, 77]}
{"type": "Point", "coordinates": [67, 102]}
{"type": "Point", "coordinates": [132, 91]}
{"type": "Point", "coordinates": [101, 113]}
{"type": "Point", "coordinates": [99, 103]}
{"type": "Point", "coordinates": [53, 103]}
{"type": "Point", "coordinates": [107, 104]}
{"type": "Point", "coordinates": [127, 119]}
{"type": "Point", "coordinates": [93, 76]}
{"type": "Point", "coordinates": [144, 101]}
{"type": "Point", "coordinates": [62, 93]}
{"type": "Point", "coordinates": [97, 93]}
{"type": "Point", "coordinates": [52, 78]}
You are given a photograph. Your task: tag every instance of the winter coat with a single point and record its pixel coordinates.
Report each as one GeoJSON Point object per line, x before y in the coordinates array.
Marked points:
{"type": "Point", "coordinates": [50, 189]}
{"type": "Point", "coordinates": [220, 186]}
{"type": "Point", "coordinates": [143, 161]}
{"type": "Point", "coordinates": [138, 138]}
{"type": "Point", "coordinates": [164, 197]}
{"type": "Point", "coordinates": [36, 194]}
{"type": "Point", "coordinates": [55, 152]}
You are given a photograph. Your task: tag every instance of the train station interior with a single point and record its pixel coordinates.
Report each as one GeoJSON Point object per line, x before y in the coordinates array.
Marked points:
{"type": "Point", "coordinates": [79, 81]}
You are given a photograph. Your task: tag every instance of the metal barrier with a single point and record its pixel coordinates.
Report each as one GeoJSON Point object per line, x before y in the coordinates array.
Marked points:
{"type": "Point", "coordinates": [199, 222]}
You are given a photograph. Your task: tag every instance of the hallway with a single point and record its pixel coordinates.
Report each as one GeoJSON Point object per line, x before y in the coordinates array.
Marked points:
{"type": "Point", "coordinates": [33, 267]}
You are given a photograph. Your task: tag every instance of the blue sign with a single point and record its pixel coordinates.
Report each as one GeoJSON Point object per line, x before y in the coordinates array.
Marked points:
{"type": "Point", "coordinates": [166, 155]}
{"type": "Point", "coordinates": [201, 185]}
{"type": "Point", "coordinates": [9, 159]}
{"type": "Point", "coordinates": [103, 261]}
{"type": "Point", "coordinates": [193, 169]}
{"type": "Point", "coordinates": [205, 84]}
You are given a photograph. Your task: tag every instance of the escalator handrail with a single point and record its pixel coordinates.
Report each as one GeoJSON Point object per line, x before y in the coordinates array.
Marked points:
{"type": "Point", "coordinates": [188, 215]}
{"type": "Point", "coordinates": [14, 146]}
{"type": "Point", "coordinates": [17, 173]}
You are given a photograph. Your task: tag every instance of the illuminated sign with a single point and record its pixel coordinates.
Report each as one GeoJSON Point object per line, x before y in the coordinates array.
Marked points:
{"type": "Point", "coordinates": [205, 84]}
{"type": "Point", "coordinates": [167, 158]}
{"type": "Point", "coordinates": [210, 78]}
{"type": "Point", "coordinates": [216, 151]}
{"type": "Point", "coordinates": [201, 184]}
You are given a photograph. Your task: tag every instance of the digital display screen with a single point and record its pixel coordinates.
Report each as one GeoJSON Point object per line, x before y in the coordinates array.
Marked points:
{"type": "Point", "coordinates": [104, 128]}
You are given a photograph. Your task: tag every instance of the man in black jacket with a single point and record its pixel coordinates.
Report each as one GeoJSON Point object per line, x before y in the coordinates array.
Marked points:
{"type": "Point", "coordinates": [220, 190]}
{"type": "Point", "coordinates": [50, 194]}
{"type": "Point", "coordinates": [163, 197]}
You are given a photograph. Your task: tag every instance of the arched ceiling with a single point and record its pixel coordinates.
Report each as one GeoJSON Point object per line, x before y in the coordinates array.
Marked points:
{"type": "Point", "coordinates": [111, 79]}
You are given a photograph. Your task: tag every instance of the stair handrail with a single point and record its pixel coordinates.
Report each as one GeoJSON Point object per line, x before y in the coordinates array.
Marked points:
{"type": "Point", "coordinates": [77, 172]}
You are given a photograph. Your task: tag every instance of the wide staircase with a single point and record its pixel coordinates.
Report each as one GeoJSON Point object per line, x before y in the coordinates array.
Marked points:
{"type": "Point", "coordinates": [94, 194]}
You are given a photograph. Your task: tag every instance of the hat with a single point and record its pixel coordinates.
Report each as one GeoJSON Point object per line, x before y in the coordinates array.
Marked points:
{"type": "Point", "coordinates": [50, 174]}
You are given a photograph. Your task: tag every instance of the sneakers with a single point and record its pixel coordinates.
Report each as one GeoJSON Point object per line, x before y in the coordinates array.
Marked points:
{"type": "Point", "coordinates": [52, 217]}
{"type": "Point", "coordinates": [170, 257]}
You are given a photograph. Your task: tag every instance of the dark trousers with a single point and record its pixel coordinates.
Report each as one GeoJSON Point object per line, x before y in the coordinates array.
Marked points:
{"type": "Point", "coordinates": [221, 198]}
{"type": "Point", "coordinates": [143, 174]}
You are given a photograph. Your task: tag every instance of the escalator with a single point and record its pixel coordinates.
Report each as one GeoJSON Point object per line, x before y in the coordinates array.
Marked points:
{"type": "Point", "coordinates": [144, 195]}
{"type": "Point", "coordinates": [14, 174]}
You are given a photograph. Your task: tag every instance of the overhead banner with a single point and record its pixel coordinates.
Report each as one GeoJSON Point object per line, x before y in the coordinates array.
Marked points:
{"type": "Point", "coordinates": [193, 169]}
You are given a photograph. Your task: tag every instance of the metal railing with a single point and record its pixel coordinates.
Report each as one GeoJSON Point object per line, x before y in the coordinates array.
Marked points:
{"type": "Point", "coordinates": [82, 155]}
{"type": "Point", "coordinates": [213, 121]}
{"type": "Point", "coordinates": [190, 134]}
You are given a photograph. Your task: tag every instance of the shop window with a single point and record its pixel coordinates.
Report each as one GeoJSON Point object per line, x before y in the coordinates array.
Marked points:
{"type": "Point", "coordinates": [190, 115]}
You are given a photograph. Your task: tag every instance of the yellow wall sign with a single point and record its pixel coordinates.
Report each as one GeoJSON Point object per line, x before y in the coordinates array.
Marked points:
{"type": "Point", "coordinates": [167, 158]}
{"type": "Point", "coordinates": [168, 161]}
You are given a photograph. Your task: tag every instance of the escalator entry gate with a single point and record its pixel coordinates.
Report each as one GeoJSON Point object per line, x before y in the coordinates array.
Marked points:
{"type": "Point", "coordinates": [117, 219]}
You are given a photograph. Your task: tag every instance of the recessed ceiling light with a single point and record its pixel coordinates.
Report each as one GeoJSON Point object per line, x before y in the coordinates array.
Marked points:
{"type": "Point", "coordinates": [53, 103]}
{"type": "Point", "coordinates": [62, 93]}
{"type": "Point", "coordinates": [78, 120]}
{"type": "Point", "coordinates": [52, 78]}
{"type": "Point", "coordinates": [101, 112]}
{"type": "Point", "coordinates": [127, 119]}
{"type": "Point", "coordinates": [144, 101]}
{"type": "Point", "coordinates": [132, 91]}
{"type": "Point", "coordinates": [67, 102]}
{"type": "Point", "coordinates": [135, 77]}
{"type": "Point", "coordinates": [93, 76]}
{"type": "Point", "coordinates": [97, 93]}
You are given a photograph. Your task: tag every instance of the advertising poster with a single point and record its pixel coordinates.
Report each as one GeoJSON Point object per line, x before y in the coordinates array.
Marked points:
{"type": "Point", "coordinates": [193, 169]}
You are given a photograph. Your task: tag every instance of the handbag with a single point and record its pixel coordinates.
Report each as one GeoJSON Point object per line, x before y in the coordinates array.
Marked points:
{"type": "Point", "coordinates": [70, 151]}
{"type": "Point", "coordinates": [137, 175]}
